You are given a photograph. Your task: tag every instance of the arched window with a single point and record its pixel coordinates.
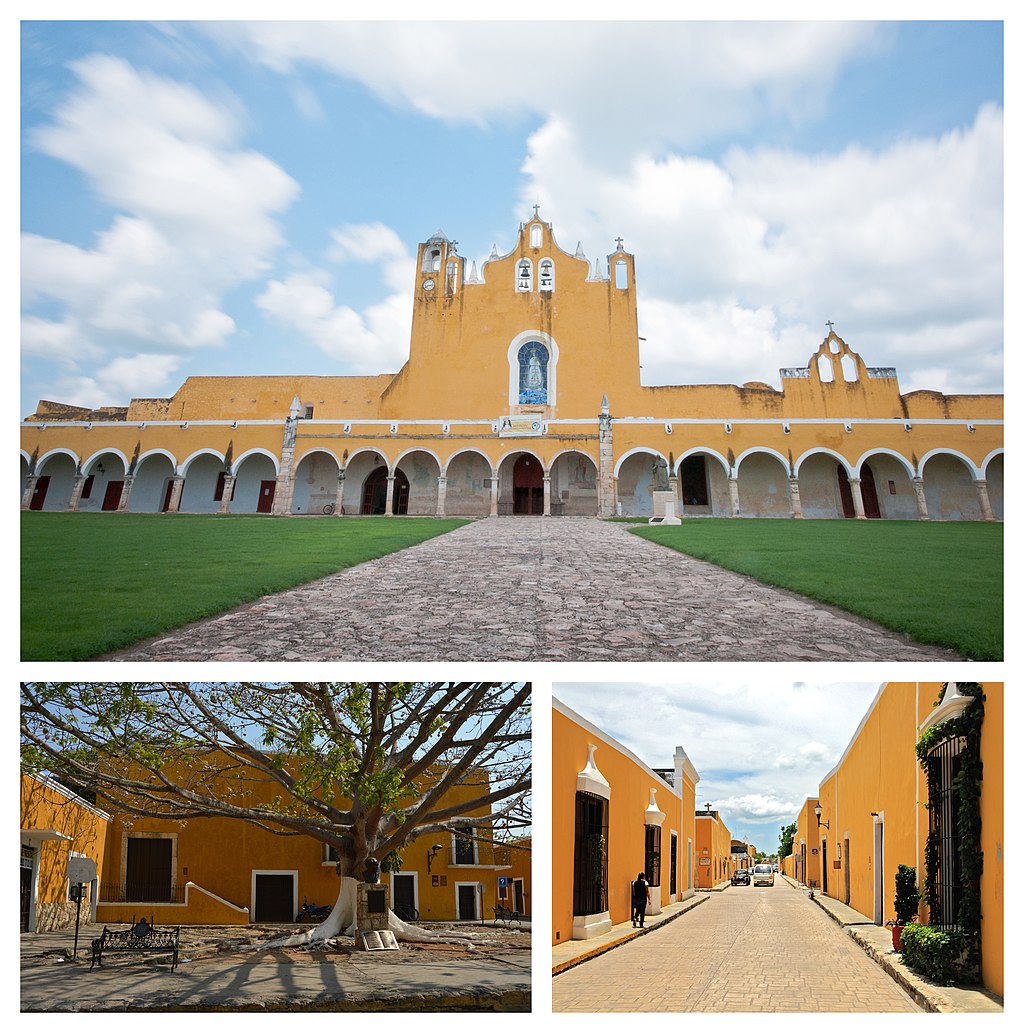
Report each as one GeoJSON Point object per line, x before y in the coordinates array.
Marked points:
{"type": "Point", "coordinates": [524, 275]}
{"type": "Point", "coordinates": [536, 235]}
{"type": "Point", "coordinates": [533, 374]}
{"type": "Point", "coordinates": [547, 275]}
{"type": "Point", "coordinates": [431, 259]}
{"type": "Point", "coordinates": [825, 371]}
{"type": "Point", "coordinates": [621, 275]}
{"type": "Point", "coordinates": [452, 277]}
{"type": "Point", "coordinates": [849, 366]}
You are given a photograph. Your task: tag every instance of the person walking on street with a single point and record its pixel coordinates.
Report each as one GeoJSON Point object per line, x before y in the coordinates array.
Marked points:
{"type": "Point", "coordinates": [641, 898]}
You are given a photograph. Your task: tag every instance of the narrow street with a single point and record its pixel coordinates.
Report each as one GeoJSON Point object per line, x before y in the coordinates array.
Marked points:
{"type": "Point", "coordinates": [746, 949]}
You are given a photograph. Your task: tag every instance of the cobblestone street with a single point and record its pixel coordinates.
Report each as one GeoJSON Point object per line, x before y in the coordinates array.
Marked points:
{"type": "Point", "coordinates": [532, 588]}
{"type": "Point", "coordinates": [746, 949]}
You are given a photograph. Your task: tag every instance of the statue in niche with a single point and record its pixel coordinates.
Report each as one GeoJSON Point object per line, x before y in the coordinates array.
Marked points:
{"type": "Point", "coordinates": [659, 471]}
{"type": "Point", "coordinates": [533, 374]}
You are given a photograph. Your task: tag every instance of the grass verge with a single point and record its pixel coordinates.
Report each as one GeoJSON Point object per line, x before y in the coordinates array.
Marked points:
{"type": "Point", "coordinates": [95, 582]}
{"type": "Point", "coordinates": [939, 583]}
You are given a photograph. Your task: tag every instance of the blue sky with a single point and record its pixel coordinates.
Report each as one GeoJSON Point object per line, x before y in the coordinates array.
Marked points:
{"type": "Point", "coordinates": [216, 198]}
{"type": "Point", "coordinates": [761, 743]}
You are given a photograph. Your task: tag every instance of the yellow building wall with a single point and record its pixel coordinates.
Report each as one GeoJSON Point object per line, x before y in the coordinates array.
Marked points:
{"type": "Point", "coordinates": [714, 844]}
{"type": "Point", "coordinates": [82, 830]}
{"type": "Point", "coordinates": [218, 856]}
{"type": "Point", "coordinates": [630, 786]}
{"type": "Point", "coordinates": [879, 774]}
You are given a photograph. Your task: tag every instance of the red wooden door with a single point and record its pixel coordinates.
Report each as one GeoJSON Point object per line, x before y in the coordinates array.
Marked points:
{"type": "Point", "coordinates": [112, 496]}
{"type": "Point", "coordinates": [266, 499]}
{"type": "Point", "coordinates": [39, 494]}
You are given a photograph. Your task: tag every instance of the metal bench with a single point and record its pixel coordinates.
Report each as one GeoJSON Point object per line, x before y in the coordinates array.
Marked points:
{"type": "Point", "coordinates": [504, 914]}
{"type": "Point", "coordinates": [141, 938]}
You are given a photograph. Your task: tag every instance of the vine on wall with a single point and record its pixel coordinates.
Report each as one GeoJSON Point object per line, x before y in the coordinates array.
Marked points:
{"type": "Point", "coordinates": [967, 786]}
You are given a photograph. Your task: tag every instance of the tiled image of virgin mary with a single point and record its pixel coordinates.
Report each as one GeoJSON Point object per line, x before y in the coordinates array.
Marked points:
{"type": "Point", "coordinates": [533, 374]}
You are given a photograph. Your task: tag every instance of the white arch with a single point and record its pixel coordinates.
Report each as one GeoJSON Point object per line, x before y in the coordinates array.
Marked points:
{"type": "Point", "coordinates": [995, 453]}
{"type": "Point", "coordinates": [636, 451]}
{"type": "Point", "coordinates": [106, 451]}
{"type": "Point", "coordinates": [572, 451]}
{"type": "Point", "coordinates": [158, 452]}
{"type": "Point", "coordinates": [417, 448]}
{"type": "Point", "coordinates": [763, 450]}
{"type": "Point", "coordinates": [42, 460]}
{"type": "Point", "coordinates": [516, 453]}
{"type": "Point", "coordinates": [513, 364]}
{"type": "Point", "coordinates": [884, 452]}
{"type": "Point", "coordinates": [702, 450]}
{"type": "Point", "coordinates": [974, 471]}
{"type": "Point", "coordinates": [183, 469]}
{"type": "Point", "coordinates": [465, 451]}
{"type": "Point", "coordinates": [823, 452]}
{"type": "Point", "coordinates": [236, 465]}
{"type": "Point", "coordinates": [365, 450]}
{"type": "Point", "coordinates": [323, 451]}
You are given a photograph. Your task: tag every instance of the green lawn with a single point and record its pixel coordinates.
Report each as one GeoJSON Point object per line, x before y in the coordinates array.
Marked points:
{"type": "Point", "coordinates": [95, 582]}
{"type": "Point", "coordinates": [939, 583]}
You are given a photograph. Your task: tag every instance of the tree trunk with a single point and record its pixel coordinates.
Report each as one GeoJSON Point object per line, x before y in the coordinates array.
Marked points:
{"type": "Point", "coordinates": [342, 922]}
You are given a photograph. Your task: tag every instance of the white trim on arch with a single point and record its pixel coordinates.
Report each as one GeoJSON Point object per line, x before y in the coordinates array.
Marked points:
{"type": "Point", "coordinates": [513, 364]}
{"type": "Point", "coordinates": [365, 450]}
{"type": "Point", "coordinates": [902, 460]}
{"type": "Point", "coordinates": [573, 452]}
{"type": "Point", "coordinates": [823, 452]}
{"type": "Point", "coordinates": [319, 449]}
{"type": "Point", "coordinates": [103, 452]}
{"type": "Point", "coordinates": [634, 451]}
{"type": "Point", "coordinates": [469, 449]}
{"type": "Point", "coordinates": [698, 450]}
{"type": "Point", "coordinates": [976, 474]}
{"type": "Point", "coordinates": [414, 450]}
{"type": "Point", "coordinates": [996, 453]}
{"type": "Point", "coordinates": [236, 465]}
{"type": "Point", "coordinates": [42, 460]}
{"type": "Point", "coordinates": [183, 469]}
{"type": "Point", "coordinates": [763, 450]}
{"type": "Point", "coordinates": [158, 452]}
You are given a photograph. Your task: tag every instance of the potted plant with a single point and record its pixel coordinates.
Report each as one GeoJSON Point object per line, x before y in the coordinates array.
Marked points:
{"type": "Point", "coordinates": [905, 903]}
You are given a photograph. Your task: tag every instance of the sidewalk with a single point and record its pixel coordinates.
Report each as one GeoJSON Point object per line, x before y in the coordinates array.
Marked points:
{"type": "Point", "coordinates": [876, 941]}
{"type": "Point", "coordinates": [227, 973]}
{"type": "Point", "coordinates": [574, 952]}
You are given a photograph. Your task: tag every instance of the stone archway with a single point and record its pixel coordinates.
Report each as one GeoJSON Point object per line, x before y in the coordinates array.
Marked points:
{"type": "Point", "coordinates": [150, 486]}
{"type": "Point", "coordinates": [315, 484]}
{"type": "Point", "coordinates": [103, 483]}
{"type": "Point", "coordinates": [203, 476]}
{"type": "Point", "coordinates": [421, 471]}
{"type": "Point", "coordinates": [574, 490]}
{"type": "Point", "coordinates": [468, 484]}
{"type": "Point", "coordinates": [528, 486]}
{"type": "Point", "coordinates": [55, 482]}
{"type": "Point", "coordinates": [255, 485]}
{"type": "Point", "coordinates": [949, 488]}
{"type": "Point", "coordinates": [762, 483]}
{"type": "Point", "coordinates": [374, 500]}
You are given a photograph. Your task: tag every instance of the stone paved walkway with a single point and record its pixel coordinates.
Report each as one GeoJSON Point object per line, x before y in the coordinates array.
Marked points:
{"type": "Point", "coordinates": [749, 949]}
{"type": "Point", "coordinates": [534, 589]}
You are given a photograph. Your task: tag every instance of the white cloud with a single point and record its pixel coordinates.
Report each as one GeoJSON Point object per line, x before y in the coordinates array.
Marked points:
{"type": "Point", "coordinates": [196, 215]}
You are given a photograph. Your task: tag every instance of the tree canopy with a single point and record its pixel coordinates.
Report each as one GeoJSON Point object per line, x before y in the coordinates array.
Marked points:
{"type": "Point", "coordinates": [363, 766]}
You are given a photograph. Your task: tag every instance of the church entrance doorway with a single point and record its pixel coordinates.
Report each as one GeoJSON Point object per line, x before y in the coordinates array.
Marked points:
{"type": "Point", "coordinates": [375, 493]}
{"type": "Point", "coordinates": [528, 486]}
{"type": "Point", "coordinates": [868, 493]}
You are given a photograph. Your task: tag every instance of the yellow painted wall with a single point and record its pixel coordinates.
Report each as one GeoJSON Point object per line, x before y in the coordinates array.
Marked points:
{"type": "Point", "coordinates": [81, 829]}
{"type": "Point", "coordinates": [218, 855]}
{"type": "Point", "coordinates": [714, 844]}
{"type": "Point", "coordinates": [630, 784]}
{"type": "Point", "coordinates": [879, 774]}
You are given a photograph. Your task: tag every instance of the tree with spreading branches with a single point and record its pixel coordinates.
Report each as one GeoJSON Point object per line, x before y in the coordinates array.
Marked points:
{"type": "Point", "coordinates": [365, 767]}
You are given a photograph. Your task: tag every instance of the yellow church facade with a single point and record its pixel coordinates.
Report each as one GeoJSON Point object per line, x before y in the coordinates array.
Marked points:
{"type": "Point", "coordinates": [522, 395]}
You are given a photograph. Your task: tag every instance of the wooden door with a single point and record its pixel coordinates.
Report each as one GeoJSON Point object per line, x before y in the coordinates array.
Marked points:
{"type": "Point", "coordinates": [112, 496]}
{"type": "Point", "coordinates": [39, 493]}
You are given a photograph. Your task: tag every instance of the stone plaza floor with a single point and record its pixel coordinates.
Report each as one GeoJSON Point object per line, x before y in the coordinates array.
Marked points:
{"type": "Point", "coordinates": [534, 589]}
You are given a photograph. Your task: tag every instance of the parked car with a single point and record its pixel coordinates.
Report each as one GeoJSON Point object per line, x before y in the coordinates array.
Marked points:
{"type": "Point", "coordinates": [775, 867]}
{"type": "Point", "coordinates": [741, 878]}
{"type": "Point", "coordinates": [763, 875]}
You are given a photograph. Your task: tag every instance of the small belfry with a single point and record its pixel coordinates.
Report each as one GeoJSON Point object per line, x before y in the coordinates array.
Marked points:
{"type": "Point", "coordinates": [522, 395]}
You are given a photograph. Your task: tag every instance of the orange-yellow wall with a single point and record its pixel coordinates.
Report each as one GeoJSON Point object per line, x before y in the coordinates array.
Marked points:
{"type": "Point", "coordinates": [219, 855]}
{"type": "Point", "coordinates": [880, 773]}
{"type": "Point", "coordinates": [714, 844]}
{"type": "Point", "coordinates": [806, 849]}
{"type": "Point", "coordinates": [630, 784]}
{"type": "Point", "coordinates": [46, 807]}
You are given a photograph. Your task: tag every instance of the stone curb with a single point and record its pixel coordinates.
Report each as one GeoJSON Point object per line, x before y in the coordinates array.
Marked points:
{"type": "Point", "coordinates": [929, 996]}
{"type": "Point", "coordinates": [564, 966]}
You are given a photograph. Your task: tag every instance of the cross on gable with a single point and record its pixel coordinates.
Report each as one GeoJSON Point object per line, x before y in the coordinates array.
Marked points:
{"type": "Point", "coordinates": [618, 243]}
{"type": "Point", "coordinates": [829, 324]}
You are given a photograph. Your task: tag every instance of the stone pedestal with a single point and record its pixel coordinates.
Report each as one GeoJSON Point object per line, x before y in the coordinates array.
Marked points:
{"type": "Point", "coordinates": [372, 906]}
{"type": "Point", "coordinates": [664, 508]}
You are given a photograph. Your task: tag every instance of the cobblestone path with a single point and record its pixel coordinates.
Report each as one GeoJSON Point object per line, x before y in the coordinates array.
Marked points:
{"type": "Point", "coordinates": [748, 949]}
{"type": "Point", "coordinates": [533, 589]}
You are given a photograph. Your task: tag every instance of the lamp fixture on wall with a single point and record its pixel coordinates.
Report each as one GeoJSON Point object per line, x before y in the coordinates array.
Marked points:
{"type": "Point", "coordinates": [817, 814]}
{"type": "Point", "coordinates": [431, 854]}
